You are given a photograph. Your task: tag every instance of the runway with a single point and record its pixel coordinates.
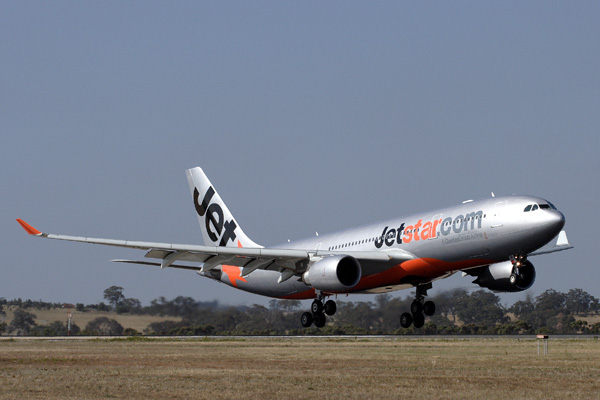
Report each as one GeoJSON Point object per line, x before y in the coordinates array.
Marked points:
{"type": "Point", "coordinates": [327, 337]}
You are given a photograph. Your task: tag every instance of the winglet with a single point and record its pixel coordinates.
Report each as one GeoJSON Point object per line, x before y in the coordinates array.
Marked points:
{"type": "Point", "coordinates": [28, 228]}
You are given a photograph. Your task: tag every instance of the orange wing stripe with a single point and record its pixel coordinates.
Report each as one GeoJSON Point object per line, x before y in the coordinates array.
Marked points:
{"type": "Point", "coordinates": [28, 228]}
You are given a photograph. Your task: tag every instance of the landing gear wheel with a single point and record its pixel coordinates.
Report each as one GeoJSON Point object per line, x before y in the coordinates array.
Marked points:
{"type": "Point", "coordinates": [406, 320]}
{"type": "Point", "coordinates": [306, 319]}
{"type": "Point", "coordinates": [316, 307]}
{"type": "Point", "coordinates": [418, 320]}
{"type": "Point", "coordinates": [330, 307]}
{"type": "Point", "coordinates": [416, 307]}
{"type": "Point", "coordinates": [320, 320]}
{"type": "Point", "coordinates": [513, 279]}
{"type": "Point", "coordinates": [429, 308]}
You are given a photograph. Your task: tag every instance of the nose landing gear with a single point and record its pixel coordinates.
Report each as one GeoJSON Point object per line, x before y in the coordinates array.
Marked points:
{"type": "Point", "coordinates": [317, 313]}
{"type": "Point", "coordinates": [517, 262]}
{"type": "Point", "coordinates": [418, 309]}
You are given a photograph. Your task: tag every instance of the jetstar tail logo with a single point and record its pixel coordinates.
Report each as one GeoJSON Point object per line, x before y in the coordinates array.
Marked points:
{"type": "Point", "coordinates": [216, 226]}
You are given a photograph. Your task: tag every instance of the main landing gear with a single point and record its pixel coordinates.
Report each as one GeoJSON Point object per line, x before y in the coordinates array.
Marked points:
{"type": "Point", "coordinates": [418, 309]}
{"type": "Point", "coordinates": [317, 313]}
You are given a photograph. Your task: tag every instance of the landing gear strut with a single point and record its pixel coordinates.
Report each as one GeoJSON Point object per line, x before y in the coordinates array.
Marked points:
{"type": "Point", "coordinates": [517, 261]}
{"type": "Point", "coordinates": [317, 313]}
{"type": "Point", "coordinates": [418, 309]}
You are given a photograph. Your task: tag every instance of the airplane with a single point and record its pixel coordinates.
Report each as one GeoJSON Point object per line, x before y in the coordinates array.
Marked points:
{"type": "Point", "coordinates": [490, 239]}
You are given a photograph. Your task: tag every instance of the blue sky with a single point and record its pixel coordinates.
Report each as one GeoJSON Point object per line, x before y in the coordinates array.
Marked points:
{"type": "Point", "coordinates": [306, 116]}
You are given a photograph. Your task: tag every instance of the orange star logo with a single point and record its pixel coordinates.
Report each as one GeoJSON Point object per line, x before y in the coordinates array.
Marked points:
{"type": "Point", "coordinates": [234, 273]}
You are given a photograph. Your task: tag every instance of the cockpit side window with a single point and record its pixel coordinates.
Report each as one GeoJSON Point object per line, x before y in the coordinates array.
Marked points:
{"type": "Point", "coordinates": [535, 207]}
{"type": "Point", "coordinates": [528, 208]}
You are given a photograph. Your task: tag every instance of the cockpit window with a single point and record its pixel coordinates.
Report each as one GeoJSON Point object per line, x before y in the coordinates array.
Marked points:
{"type": "Point", "coordinates": [542, 206]}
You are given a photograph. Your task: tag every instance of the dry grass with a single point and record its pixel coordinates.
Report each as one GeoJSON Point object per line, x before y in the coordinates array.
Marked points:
{"type": "Point", "coordinates": [137, 322]}
{"type": "Point", "coordinates": [299, 369]}
{"type": "Point", "coordinates": [590, 319]}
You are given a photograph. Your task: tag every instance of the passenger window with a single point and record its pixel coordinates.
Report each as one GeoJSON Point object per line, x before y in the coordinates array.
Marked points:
{"type": "Point", "coordinates": [528, 208]}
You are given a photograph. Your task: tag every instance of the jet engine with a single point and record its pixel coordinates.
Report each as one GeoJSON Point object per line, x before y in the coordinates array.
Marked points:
{"type": "Point", "coordinates": [333, 274]}
{"type": "Point", "coordinates": [496, 277]}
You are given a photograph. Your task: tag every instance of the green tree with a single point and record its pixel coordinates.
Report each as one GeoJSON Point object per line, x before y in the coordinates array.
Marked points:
{"type": "Point", "coordinates": [104, 326]}
{"type": "Point", "coordinates": [114, 295]}
{"type": "Point", "coordinates": [129, 305]}
{"type": "Point", "coordinates": [550, 300]}
{"type": "Point", "coordinates": [579, 301]}
{"type": "Point", "coordinates": [524, 311]}
{"type": "Point", "coordinates": [22, 322]}
{"type": "Point", "coordinates": [183, 306]}
{"type": "Point", "coordinates": [387, 314]}
{"type": "Point", "coordinates": [523, 308]}
{"type": "Point", "coordinates": [285, 305]}
{"type": "Point", "coordinates": [481, 307]}
{"type": "Point", "coordinates": [162, 327]}
{"type": "Point", "coordinates": [548, 306]}
{"type": "Point", "coordinates": [447, 303]}
{"type": "Point", "coordinates": [595, 305]}
{"type": "Point", "coordinates": [56, 328]}
{"type": "Point", "coordinates": [359, 315]}
{"type": "Point", "coordinates": [131, 332]}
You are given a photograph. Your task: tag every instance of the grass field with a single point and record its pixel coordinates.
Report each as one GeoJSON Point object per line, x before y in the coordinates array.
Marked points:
{"type": "Point", "coordinates": [306, 368]}
{"type": "Point", "coordinates": [137, 322]}
{"type": "Point", "coordinates": [140, 322]}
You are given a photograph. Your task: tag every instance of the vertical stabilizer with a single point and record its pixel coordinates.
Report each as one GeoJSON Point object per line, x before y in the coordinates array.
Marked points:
{"type": "Point", "coordinates": [219, 228]}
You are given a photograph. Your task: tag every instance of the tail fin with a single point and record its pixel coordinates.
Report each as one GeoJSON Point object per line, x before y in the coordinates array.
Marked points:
{"type": "Point", "coordinates": [219, 228]}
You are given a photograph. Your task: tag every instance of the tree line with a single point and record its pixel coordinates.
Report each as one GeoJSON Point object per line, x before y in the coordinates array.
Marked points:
{"type": "Point", "coordinates": [458, 312]}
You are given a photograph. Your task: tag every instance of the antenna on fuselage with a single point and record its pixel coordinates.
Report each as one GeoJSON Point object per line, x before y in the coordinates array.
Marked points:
{"type": "Point", "coordinates": [493, 195]}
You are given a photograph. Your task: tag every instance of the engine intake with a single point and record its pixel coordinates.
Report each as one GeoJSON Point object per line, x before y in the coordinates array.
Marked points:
{"type": "Point", "coordinates": [333, 274]}
{"type": "Point", "coordinates": [496, 277]}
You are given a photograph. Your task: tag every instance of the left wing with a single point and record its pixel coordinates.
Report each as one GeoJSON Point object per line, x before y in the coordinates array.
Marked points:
{"type": "Point", "coordinates": [288, 262]}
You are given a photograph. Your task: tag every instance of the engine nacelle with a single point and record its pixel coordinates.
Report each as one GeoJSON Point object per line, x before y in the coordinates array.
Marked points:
{"type": "Point", "coordinates": [496, 277]}
{"type": "Point", "coordinates": [333, 274]}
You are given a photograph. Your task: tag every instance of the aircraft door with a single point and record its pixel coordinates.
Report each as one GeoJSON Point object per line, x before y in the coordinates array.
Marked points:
{"type": "Point", "coordinates": [497, 217]}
